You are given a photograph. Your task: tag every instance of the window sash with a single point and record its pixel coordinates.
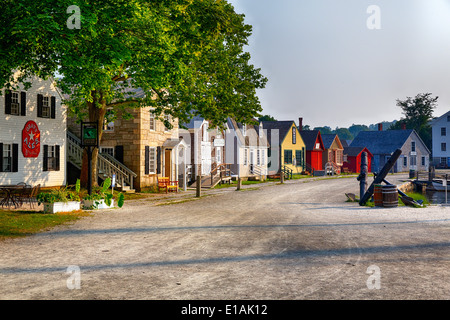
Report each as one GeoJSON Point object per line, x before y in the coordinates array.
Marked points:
{"type": "Point", "coordinates": [46, 111]}
{"type": "Point", "coordinates": [152, 160]}
{"type": "Point", "coordinates": [7, 158]}
{"type": "Point", "coordinates": [152, 124]}
{"type": "Point", "coordinates": [287, 156]}
{"type": "Point", "coordinates": [443, 131]}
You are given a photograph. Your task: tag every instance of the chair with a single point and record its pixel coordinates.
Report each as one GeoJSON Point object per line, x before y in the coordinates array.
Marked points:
{"type": "Point", "coordinates": [31, 196]}
{"type": "Point", "coordinates": [173, 186]}
{"type": "Point", "coordinates": [163, 183]}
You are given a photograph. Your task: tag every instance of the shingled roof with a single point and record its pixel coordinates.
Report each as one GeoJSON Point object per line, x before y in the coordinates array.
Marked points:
{"type": "Point", "coordinates": [309, 138]}
{"type": "Point", "coordinates": [354, 151]}
{"type": "Point", "coordinates": [381, 142]}
{"type": "Point", "coordinates": [283, 128]}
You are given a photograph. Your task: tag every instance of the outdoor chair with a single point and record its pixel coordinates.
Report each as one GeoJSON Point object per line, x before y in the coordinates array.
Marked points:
{"type": "Point", "coordinates": [29, 194]}
{"type": "Point", "coordinates": [164, 183]}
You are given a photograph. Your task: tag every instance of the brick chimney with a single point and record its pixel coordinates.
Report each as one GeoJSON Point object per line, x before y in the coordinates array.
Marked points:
{"type": "Point", "coordinates": [403, 126]}
{"type": "Point", "coordinates": [380, 127]}
{"type": "Point", "coordinates": [300, 123]}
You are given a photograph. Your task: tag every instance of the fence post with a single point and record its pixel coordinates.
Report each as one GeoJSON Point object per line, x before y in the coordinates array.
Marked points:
{"type": "Point", "coordinates": [199, 186]}
{"type": "Point", "coordinates": [281, 176]}
{"type": "Point", "coordinates": [239, 181]}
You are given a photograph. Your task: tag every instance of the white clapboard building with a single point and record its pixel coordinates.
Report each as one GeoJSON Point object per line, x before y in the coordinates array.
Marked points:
{"type": "Point", "coordinates": [33, 135]}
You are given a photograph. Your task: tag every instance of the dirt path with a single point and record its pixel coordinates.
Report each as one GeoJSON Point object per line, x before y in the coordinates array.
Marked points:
{"type": "Point", "coordinates": [300, 240]}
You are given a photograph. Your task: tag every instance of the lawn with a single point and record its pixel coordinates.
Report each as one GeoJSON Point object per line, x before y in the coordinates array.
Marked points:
{"type": "Point", "coordinates": [23, 223]}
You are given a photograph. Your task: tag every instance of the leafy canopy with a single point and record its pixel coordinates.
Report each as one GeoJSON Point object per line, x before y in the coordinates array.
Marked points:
{"type": "Point", "coordinates": [187, 56]}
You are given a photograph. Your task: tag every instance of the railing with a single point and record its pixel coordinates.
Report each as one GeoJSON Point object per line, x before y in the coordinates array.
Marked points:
{"type": "Point", "coordinates": [287, 172]}
{"type": "Point", "coordinates": [333, 168]}
{"type": "Point", "coordinates": [221, 170]}
{"type": "Point", "coordinates": [309, 168]}
{"type": "Point", "coordinates": [106, 164]}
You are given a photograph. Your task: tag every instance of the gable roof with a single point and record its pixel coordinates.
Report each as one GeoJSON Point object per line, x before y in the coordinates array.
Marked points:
{"type": "Point", "coordinates": [310, 137]}
{"type": "Point", "coordinates": [283, 128]}
{"type": "Point", "coordinates": [433, 122]}
{"type": "Point", "coordinates": [195, 123]}
{"type": "Point", "coordinates": [355, 151]}
{"type": "Point", "coordinates": [328, 140]}
{"type": "Point", "coordinates": [383, 142]}
{"type": "Point", "coordinates": [253, 137]}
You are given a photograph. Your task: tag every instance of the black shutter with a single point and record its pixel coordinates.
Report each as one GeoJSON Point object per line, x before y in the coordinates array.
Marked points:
{"type": "Point", "coordinates": [1, 157]}
{"type": "Point", "coordinates": [23, 103]}
{"type": "Point", "coordinates": [15, 158]}
{"type": "Point", "coordinates": [40, 102]}
{"type": "Point", "coordinates": [57, 158]}
{"type": "Point", "coordinates": [147, 160]}
{"type": "Point", "coordinates": [158, 160]}
{"type": "Point", "coordinates": [8, 95]}
{"type": "Point", "coordinates": [118, 152]}
{"type": "Point", "coordinates": [45, 168]}
{"type": "Point", "coordinates": [53, 108]}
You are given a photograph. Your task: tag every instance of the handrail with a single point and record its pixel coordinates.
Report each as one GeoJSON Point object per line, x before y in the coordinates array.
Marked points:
{"type": "Point", "coordinates": [106, 164]}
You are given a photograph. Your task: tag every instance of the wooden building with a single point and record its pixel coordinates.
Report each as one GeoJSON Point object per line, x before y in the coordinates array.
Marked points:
{"type": "Point", "coordinates": [314, 149]}
{"type": "Point", "coordinates": [333, 155]}
{"type": "Point", "coordinates": [352, 159]}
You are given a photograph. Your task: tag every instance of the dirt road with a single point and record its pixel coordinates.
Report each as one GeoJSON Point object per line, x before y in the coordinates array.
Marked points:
{"type": "Point", "coordinates": [300, 240]}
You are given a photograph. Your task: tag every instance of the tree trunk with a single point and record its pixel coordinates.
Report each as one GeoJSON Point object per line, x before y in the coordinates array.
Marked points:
{"type": "Point", "coordinates": [96, 114]}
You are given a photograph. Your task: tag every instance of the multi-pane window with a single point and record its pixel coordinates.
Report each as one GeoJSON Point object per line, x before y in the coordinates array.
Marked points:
{"type": "Point", "coordinates": [15, 103]}
{"type": "Point", "coordinates": [443, 131]}
{"type": "Point", "coordinates": [413, 146]}
{"type": "Point", "coordinates": [405, 161]}
{"type": "Point", "coordinates": [423, 160]}
{"type": "Point", "coordinates": [152, 125]}
{"type": "Point", "coordinates": [152, 160]}
{"type": "Point", "coordinates": [443, 161]}
{"type": "Point", "coordinates": [46, 107]}
{"type": "Point", "coordinates": [245, 157]}
{"type": "Point", "coordinates": [7, 158]}
{"type": "Point", "coordinates": [51, 158]}
{"type": "Point", "coordinates": [258, 157]}
{"type": "Point", "coordinates": [413, 161]}
{"type": "Point", "coordinates": [298, 158]}
{"type": "Point", "coordinates": [287, 156]}
{"type": "Point", "coordinates": [443, 146]}
{"type": "Point", "coordinates": [294, 136]}
{"type": "Point", "coordinates": [263, 157]}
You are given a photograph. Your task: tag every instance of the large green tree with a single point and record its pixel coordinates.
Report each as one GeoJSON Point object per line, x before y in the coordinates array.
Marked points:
{"type": "Point", "coordinates": [186, 55]}
{"type": "Point", "coordinates": [417, 111]}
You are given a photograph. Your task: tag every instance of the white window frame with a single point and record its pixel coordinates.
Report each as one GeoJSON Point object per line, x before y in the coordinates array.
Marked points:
{"type": "Point", "coordinates": [7, 157]}
{"type": "Point", "coordinates": [245, 156]}
{"type": "Point", "coordinates": [46, 108]}
{"type": "Point", "coordinates": [15, 103]}
{"type": "Point", "coordinates": [152, 123]}
{"type": "Point", "coordinates": [258, 157]}
{"type": "Point", "coordinates": [413, 146]}
{"type": "Point", "coordinates": [152, 160]}
{"type": "Point", "coordinates": [51, 158]}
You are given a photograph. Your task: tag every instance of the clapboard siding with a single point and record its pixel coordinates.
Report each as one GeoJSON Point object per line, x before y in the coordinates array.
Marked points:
{"type": "Point", "coordinates": [53, 132]}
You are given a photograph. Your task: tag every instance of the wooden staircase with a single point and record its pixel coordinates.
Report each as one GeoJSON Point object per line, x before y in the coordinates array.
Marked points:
{"type": "Point", "coordinates": [220, 174]}
{"type": "Point", "coordinates": [107, 166]}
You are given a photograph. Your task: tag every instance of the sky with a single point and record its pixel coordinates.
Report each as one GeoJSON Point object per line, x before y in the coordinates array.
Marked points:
{"type": "Point", "coordinates": [338, 63]}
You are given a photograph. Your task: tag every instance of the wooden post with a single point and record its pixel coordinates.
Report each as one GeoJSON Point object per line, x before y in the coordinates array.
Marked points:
{"type": "Point", "coordinates": [199, 186]}
{"type": "Point", "coordinates": [362, 178]}
{"type": "Point", "coordinates": [239, 182]}
{"type": "Point", "coordinates": [381, 176]}
{"type": "Point", "coordinates": [281, 176]}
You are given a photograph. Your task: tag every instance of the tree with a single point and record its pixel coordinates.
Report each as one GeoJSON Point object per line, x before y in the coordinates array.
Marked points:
{"type": "Point", "coordinates": [186, 55]}
{"type": "Point", "coordinates": [418, 111]}
{"type": "Point", "coordinates": [357, 128]}
{"type": "Point", "coordinates": [267, 118]}
{"type": "Point", "coordinates": [343, 134]}
{"type": "Point", "coordinates": [324, 130]}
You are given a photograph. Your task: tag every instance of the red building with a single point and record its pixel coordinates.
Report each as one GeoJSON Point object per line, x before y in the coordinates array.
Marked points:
{"type": "Point", "coordinates": [352, 159]}
{"type": "Point", "coordinates": [314, 148]}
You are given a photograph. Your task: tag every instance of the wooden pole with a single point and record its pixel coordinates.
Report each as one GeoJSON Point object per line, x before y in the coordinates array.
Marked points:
{"type": "Point", "coordinates": [362, 178]}
{"type": "Point", "coordinates": [239, 182]}
{"type": "Point", "coordinates": [381, 176]}
{"type": "Point", "coordinates": [199, 186]}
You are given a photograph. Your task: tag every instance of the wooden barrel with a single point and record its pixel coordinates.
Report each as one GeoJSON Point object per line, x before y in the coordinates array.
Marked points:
{"type": "Point", "coordinates": [390, 196]}
{"type": "Point", "coordinates": [378, 195]}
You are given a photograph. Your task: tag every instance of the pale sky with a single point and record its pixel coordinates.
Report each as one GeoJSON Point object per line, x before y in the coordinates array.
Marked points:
{"type": "Point", "coordinates": [324, 64]}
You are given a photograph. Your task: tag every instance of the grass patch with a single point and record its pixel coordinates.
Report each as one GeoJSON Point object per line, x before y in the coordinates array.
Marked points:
{"type": "Point", "coordinates": [15, 224]}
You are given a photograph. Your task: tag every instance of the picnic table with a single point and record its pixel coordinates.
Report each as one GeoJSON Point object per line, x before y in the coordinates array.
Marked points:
{"type": "Point", "coordinates": [12, 197]}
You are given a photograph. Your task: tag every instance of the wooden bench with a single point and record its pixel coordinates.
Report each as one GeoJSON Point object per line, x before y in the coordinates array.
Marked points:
{"type": "Point", "coordinates": [164, 183]}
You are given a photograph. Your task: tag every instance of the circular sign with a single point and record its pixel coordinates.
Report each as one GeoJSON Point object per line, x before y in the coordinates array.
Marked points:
{"type": "Point", "coordinates": [31, 140]}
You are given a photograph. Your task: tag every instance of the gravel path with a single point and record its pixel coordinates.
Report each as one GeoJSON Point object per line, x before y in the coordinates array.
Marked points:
{"type": "Point", "coordinates": [300, 240]}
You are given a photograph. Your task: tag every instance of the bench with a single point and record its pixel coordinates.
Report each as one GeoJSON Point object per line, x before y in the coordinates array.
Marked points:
{"type": "Point", "coordinates": [164, 183]}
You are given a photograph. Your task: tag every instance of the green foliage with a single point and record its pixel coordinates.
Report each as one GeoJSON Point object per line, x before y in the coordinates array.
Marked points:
{"type": "Point", "coordinates": [266, 118]}
{"type": "Point", "coordinates": [103, 193]}
{"type": "Point", "coordinates": [57, 195]}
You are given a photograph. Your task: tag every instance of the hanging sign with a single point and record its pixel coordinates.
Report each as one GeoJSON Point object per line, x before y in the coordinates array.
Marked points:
{"type": "Point", "coordinates": [31, 140]}
{"type": "Point", "coordinates": [89, 134]}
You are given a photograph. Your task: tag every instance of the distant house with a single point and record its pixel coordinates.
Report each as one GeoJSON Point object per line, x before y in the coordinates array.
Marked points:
{"type": "Point", "coordinates": [286, 146]}
{"type": "Point", "coordinates": [246, 149]}
{"type": "Point", "coordinates": [415, 155]}
{"type": "Point", "coordinates": [334, 151]}
{"type": "Point", "coordinates": [314, 149]}
{"type": "Point", "coordinates": [352, 159]}
{"type": "Point", "coordinates": [441, 141]}
{"type": "Point", "coordinates": [205, 146]}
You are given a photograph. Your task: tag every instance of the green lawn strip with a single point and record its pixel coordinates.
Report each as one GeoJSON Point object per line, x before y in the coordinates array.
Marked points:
{"type": "Point", "coordinates": [23, 223]}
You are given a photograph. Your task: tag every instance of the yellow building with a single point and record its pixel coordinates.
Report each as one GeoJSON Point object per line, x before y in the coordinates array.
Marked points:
{"type": "Point", "coordinates": [287, 149]}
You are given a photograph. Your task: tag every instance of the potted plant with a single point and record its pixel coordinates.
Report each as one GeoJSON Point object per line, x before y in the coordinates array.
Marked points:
{"type": "Point", "coordinates": [61, 200]}
{"type": "Point", "coordinates": [102, 198]}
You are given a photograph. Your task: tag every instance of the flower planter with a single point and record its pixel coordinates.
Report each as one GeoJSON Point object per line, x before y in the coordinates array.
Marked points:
{"type": "Point", "coordinates": [96, 204]}
{"type": "Point", "coordinates": [61, 206]}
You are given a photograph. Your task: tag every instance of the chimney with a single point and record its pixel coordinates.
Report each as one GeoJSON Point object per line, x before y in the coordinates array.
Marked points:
{"type": "Point", "coordinates": [403, 126]}
{"type": "Point", "coordinates": [380, 127]}
{"type": "Point", "coordinates": [300, 123]}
